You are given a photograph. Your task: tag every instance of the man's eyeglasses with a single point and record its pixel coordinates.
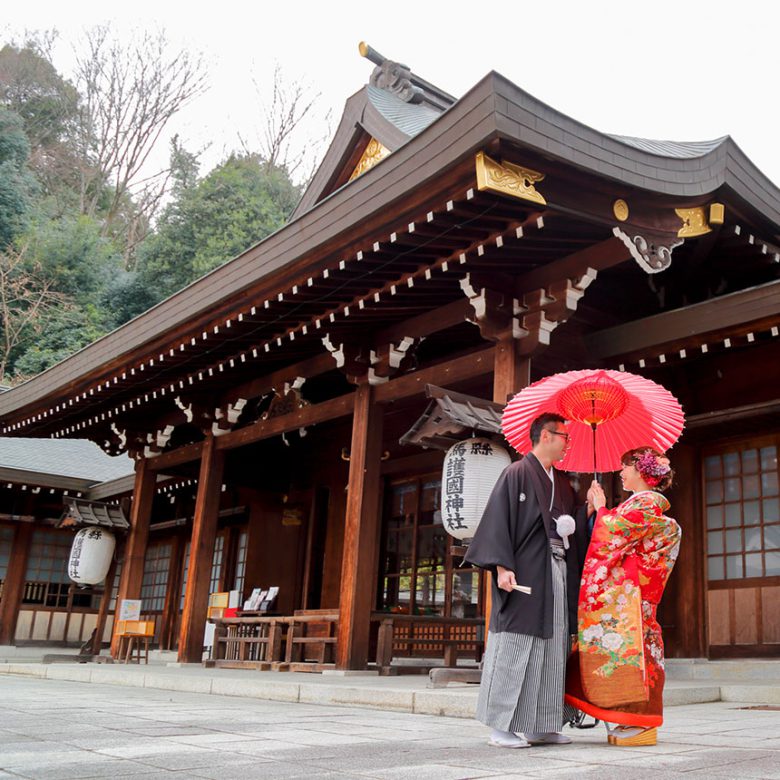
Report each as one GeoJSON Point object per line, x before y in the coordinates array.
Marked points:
{"type": "Point", "coordinates": [560, 433]}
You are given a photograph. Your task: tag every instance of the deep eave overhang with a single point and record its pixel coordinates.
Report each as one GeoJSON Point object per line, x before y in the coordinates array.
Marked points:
{"type": "Point", "coordinates": [493, 109]}
{"type": "Point", "coordinates": [44, 480]}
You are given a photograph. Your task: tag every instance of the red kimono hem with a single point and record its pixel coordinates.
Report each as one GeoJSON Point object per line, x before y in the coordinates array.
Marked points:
{"type": "Point", "coordinates": [615, 716]}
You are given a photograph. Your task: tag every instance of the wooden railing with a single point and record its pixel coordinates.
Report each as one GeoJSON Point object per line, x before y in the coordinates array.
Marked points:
{"type": "Point", "coordinates": [420, 636]}
{"type": "Point", "coordinates": [303, 642]}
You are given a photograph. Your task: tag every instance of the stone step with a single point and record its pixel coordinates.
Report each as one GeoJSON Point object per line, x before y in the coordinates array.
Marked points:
{"type": "Point", "coordinates": [764, 670]}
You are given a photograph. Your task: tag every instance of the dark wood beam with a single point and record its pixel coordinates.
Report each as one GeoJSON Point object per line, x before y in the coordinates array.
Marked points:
{"type": "Point", "coordinates": [727, 315]}
{"type": "Point", "coordinates": [185, 454]}
{"type": "Point", "coordinates": [735, 413]}
{"type": "Point", "coordinates": [309, 415]}
{"type": "Point", "coordinates": [430, 322]}
{"type": "Point", "coordinates": [312, 367]}
{"type": "Point", "coordinates": [598, 256]}
{"type": "Point", "coordinates": [456, 370]}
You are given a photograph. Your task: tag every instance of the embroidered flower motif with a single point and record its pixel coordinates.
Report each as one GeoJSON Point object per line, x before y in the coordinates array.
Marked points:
{"type": "Point", "coordinates": [593, 632]}
{"type": "Point", "coordinates": [612, 641]}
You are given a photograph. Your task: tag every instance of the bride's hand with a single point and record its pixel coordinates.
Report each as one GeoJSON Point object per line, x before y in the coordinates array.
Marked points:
{"type": "Point", "coordinates": [596, 496]}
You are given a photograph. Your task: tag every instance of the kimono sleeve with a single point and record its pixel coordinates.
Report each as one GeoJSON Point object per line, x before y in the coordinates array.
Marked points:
{"type": "Point", "coordinates": [493, 543]}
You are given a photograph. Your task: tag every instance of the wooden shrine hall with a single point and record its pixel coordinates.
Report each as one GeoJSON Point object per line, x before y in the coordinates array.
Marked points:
{"type": "Point", "coordinates": [476, 245]}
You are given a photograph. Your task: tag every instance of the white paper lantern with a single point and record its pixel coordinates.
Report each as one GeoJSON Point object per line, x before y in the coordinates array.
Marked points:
{"type": "Point", "coordinates": [90, 556]}
{"type": "Point", "coordinates": [471, 469]}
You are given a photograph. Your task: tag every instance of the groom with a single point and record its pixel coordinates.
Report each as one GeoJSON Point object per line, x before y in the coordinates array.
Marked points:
{"type": "Point", "coordinates": [525, 538]}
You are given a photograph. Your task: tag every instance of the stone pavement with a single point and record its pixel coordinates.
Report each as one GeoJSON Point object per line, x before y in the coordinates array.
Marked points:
{"type": "Point", "coordinates": [753, 682]}
{"type": "Point", "coordinates": [60, 730]}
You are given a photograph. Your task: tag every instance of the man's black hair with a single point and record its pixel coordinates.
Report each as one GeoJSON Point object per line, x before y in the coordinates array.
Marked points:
{"type": "Point", "coordinates": [541, 422]}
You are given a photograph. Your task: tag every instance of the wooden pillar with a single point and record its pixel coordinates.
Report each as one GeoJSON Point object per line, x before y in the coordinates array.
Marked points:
{"type": "Point", "coordinates": [135, 545]}
{"type": "Point", "coordinates": [511, 370]}
{"type": "Point", "coordinates": [361, 533]}
{"type": "Point", "coordinates": [204, 533]}
{"type": "Point", "coordinates": [13, 587]}
{"type": "Point", "coordinates": [683, 606]}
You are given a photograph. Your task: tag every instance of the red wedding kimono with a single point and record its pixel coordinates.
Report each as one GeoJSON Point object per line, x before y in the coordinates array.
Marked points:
{"type": "Point", "coordinates": [616, 673]}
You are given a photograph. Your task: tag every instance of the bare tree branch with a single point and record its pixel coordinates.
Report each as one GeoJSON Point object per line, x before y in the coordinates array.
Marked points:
{"type": "Point", "coordinates": [128, 94]}
{"type": "Point", "coordinates": [283, 118]}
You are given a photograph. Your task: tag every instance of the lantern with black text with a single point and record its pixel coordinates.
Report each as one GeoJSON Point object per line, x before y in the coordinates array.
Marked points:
{"type": "Point", "coordinates": [90, 556]}
{"type": "Point", "coordinates": [471, 469]}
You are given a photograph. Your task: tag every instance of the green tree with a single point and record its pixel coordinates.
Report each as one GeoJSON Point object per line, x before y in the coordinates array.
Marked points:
{"type": "Point", "coordinates": [17, 185]}
{"type": "Point", "coordinates": [232, 208]}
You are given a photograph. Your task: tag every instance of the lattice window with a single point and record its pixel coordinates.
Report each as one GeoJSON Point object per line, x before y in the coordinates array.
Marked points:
{"type": "Point", "coordinates": [46, 578]}
{"type": "Point", "coordinates": [184, 575]}
{"type": "Point", "coordinates": [742, 505]}
{"type": "Point", "coordinates": [241, 552]}
{"type": "Point", "coordinates": [216, 563]}
{"type": "Point", "coordinates": [416, 563]}
{"type": "Point", "coordinates": [154, 585]}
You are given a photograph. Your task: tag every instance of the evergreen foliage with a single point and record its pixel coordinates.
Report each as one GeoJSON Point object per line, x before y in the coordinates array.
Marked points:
{"type": "Point", "coordinates": [79, 244]}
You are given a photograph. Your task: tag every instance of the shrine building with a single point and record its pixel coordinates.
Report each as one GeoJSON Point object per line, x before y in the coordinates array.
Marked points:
{"type": "Point", "coordinates": [287, 415]}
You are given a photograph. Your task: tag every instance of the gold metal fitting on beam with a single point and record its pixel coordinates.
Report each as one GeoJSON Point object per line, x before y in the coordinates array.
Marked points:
{"type": "Point", "coordinates": [508, 178]}
{"type": "Point", "coordinates": [620, 210]}
{"type": "Point", "coordinates": [694, 222]}
{"type": "Point", "coordinates": [717, 213]}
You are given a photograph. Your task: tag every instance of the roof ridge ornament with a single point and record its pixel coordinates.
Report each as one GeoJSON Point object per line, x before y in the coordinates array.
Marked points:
{"type": "Point", "coordinates": [393, 77]}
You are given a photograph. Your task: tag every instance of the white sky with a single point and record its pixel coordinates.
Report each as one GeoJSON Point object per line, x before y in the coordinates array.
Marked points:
{"type": "Point", "coordinates": [666, 70]}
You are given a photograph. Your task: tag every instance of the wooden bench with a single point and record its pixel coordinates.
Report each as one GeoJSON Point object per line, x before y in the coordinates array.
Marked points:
{"type": "Point", "coordinates": [311, 640]}
{"type": "Point", "coordinates": [132, 634]}
{"type": "Point", "coordinates": [431, 637]}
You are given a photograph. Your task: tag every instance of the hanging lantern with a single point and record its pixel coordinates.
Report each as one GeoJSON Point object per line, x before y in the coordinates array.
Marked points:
{"type": "Point", "coordinates": [471, 468]}
{"type": "Point", "coordinates": [90, 556]}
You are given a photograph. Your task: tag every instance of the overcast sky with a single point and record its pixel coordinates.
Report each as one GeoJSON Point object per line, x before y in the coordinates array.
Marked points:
{"type": "Point", "coordinates": [670, 70]}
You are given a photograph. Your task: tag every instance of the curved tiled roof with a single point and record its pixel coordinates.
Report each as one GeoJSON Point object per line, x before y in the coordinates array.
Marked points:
{"type": "Point", "coordinates": [409, 118]}
{"type": "Point", "coordinates": [76, 458]}
{"type": "Point", "coordinates": [679, 149]}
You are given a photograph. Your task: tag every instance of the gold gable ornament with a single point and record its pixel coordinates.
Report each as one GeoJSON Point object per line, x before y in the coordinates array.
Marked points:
{"type": "Point", "coordinates": [375, 152]}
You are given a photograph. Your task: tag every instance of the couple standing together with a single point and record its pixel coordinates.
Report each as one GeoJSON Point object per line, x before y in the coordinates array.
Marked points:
{"type": "Point", "coordinates": [604, 586]}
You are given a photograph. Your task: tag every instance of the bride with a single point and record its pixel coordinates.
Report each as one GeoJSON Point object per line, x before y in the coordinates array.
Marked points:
{"type": "Point", "coordinates": [616, 672]}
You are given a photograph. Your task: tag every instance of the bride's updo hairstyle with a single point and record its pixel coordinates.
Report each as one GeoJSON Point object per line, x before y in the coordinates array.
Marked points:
{"type": "Point", "coordinates": [652, 466]}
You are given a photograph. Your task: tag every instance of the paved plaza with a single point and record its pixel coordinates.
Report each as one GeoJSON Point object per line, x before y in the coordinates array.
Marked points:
{"type": "Point", "coordinates": [59, 729]}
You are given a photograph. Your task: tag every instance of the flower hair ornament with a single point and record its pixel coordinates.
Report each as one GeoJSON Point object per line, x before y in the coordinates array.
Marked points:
{"type": "Point", "coordinates": [652, 468]}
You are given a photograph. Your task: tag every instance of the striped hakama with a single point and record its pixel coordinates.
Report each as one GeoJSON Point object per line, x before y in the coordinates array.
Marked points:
{"type": "Point", "coordinates": [523, 676]}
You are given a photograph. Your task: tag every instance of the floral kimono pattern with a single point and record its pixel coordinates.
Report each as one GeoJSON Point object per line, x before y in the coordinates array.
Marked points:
{"type": "Point", "coordinates": [617, 671]}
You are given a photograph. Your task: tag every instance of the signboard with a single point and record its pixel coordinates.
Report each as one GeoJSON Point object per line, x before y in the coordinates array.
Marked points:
{"type": "Point", "coordinates": [130, 609]}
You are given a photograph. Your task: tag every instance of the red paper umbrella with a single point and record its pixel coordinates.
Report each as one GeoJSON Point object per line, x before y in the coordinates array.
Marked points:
{"type": "Point", "coordinates": [611, 412]}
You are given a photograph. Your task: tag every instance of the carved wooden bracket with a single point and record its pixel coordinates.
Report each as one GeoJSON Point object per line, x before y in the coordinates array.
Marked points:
{"type": "Point", "coordinates": [494, 312]}
{"type": "Point", "coordinates": [157, 441]}
{"type": "Point", "coordinates": [226, 417]}
{"type": "Point", "coordinates": [354, 360]}
{"type": "Point", "coordinates": [532, 318]}
{"type": "Point", "coordinates": [388, 359]}
{"type": "Point", "coordinates": [652, 250]}
{"type": "Point", "coordinates": [288, 400]}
